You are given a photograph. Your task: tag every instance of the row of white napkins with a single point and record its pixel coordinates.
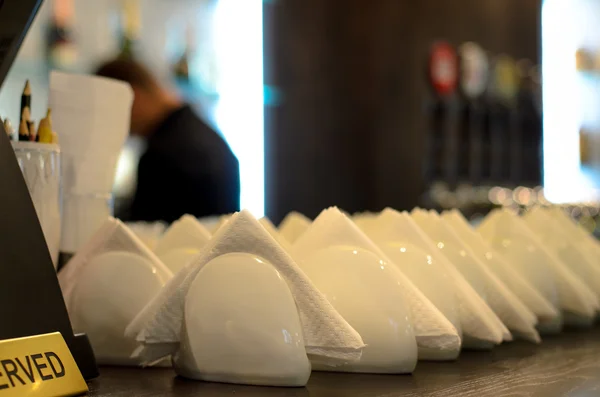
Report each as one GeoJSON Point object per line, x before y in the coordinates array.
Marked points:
{"type": "Point", "coordinates": [293, 226]}
{"type": "Point", "coordinates": [577, 233]}
{"type": "Point", "coordinates": [148, 232]}
{"type": "Point", "coordinates": [181, 242]}
{"type": "Point", "coordinates": [543, 309]}
{"type": "Point", "coordinates": [118, 272]}
{"type": "Point", "coordinates": [106, 284]}
{"type": "Point", "coordinates": [233, 301]}
{"type": "Point", "coordinates": [374, 295]}
{"type": "Point", "coordinates": [186, 232]}
{"type": "Point", "coordinates": [407, 286]}
{"type": "Point", "coordinates": [275, 233]}
{"type": "Point", "coordinates": [511, 311]}
{"type": "Point", "coordinates": [480, 326]}
{"type": "Point", "coordinates": [571, 251]}
{"type": "Point", "coordinates": [116, 249]}
{"type": "Point", "coordinates": [517, 240]}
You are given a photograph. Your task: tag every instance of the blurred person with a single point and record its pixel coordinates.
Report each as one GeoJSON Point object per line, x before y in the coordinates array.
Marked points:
{"type": "Point", "coordinates": [187, 167]}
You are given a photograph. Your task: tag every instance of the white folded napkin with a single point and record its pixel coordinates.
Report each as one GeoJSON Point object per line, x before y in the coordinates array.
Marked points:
{"type": "Point", "coordinates": [270, 227]}
{"type": "Point", "coordinates": [178, 258]}
{"type": "Point", "coordinates": [434, 332]}
{"type": "Point", "coordinates": [365, 220]}
{"type": "Point", "coordinates": [112, 236]}
{"type": "Point", "coordinates": [423, 270]}
{"type": "Point", "coordinates": [508, 233]}
{"type": "Point", "coordinates": [478, 322]}
{"type": "Point", "coordinates": [326, 334]}
{"type": "Point", "coordinates": [578, 234]}
{"type": "Point", "coordinates": [293, 226]}
{"type": "Point", "coordinates": [513, 313]}
{"type": "Point", "coordinates": [148, 232]}
{"type": "Point", "coordinates": [223, 219]}
{"type": "Point", "coordinates": [532, 298]}
{"type": "Point", "coordinates": [106, 284]}
{"type": "Point", "coordinates": [570, 250]}
{"type": "Point", "coordinates": [186, 232]}
{"type": "Point", "coordinates": [568, 223]}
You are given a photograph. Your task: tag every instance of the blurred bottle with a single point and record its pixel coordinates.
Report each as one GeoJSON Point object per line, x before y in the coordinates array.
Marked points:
{"type": "Point", "coordinates": [585, 156]}
{"type": "Point", "coordinates": [528, 144]}
{"type": "Point", "coordinates": [473, 83]}
{"type": "Point", "coordinates": [181, 68]}
{"type": "Point", "coordinates": [504, 88]}
{"type": "Point", "coordinates": [61, 50]}
{"type": "Point", "coordinates": [130, 28]}
{"type": "Point", "coordinates": [442, 75]}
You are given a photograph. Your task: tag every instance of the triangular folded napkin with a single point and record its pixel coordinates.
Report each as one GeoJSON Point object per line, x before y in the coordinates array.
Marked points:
{"type": "Point", "coordinates": [148, 232]}
{"type": "Point", "coordinates": [428, 275]}
{"type": "Point", "coordinates": [509, 308]}
{"type": "Point", "coordinates": [114, 235]}
{"type": "Point", "coordinates": [293, 226]}
{"type": "Point", "coordinates": [480, 325]}
{"type": "Point", "coordinates": [161, 326]}
{"type": "Point", "coordinates": [331, 231]}
{"type": "Point", "coordinates": [106, 284]}
{"type": "Point", "coordinates": [575, 230]}
{"type": "Point", "coordinates": [509, 234]}
{"type": "Point", "coordinates": [186, 232]}
{"type": "Point", "coordinates": [276, 234]}
{"type": "Point", "coordinates": [570, 249]}
{"type": "Point", "coordinates": [532, 298]}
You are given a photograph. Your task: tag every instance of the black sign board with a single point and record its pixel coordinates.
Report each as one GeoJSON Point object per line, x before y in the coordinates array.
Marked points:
{"type": "Point", "coordinates": [31, 299]}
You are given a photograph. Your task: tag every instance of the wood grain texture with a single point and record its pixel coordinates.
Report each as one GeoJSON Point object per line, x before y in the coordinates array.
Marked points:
{"type": "Point", "coordinates": [350, 129]}
{"type": "Point", "coordinates": [567, 365]}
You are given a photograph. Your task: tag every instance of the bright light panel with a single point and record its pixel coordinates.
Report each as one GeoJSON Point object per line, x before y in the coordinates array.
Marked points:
{"type": "Point", "coordinates": [565, 28]}
{"type": "Point", "coordinates": [239, 113]}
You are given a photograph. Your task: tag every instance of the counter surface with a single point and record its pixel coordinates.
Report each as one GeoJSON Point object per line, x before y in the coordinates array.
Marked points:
{"type": "Point", "coordinates": [568, 364]}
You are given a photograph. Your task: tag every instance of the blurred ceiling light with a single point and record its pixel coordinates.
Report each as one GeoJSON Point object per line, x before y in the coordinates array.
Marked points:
{"type": "Point", "coordinates": [494, 195]}
{"type": "Point", "coordinates": [505, 197]}
{"type": "Point", "coordinates": [522, 195]}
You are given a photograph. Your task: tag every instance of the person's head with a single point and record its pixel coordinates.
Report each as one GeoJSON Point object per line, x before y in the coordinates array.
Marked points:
{"type": "Point", "coordinates": [151, 103]}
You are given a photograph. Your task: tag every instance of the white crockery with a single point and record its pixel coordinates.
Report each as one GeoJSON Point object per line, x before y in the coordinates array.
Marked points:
{"type": "Point", "coordinates": [435, 335]}
{"type": "Point", "coordinates": [178, 258]}
{"type": "Point", "coordinates": [575, 231]}
{"type": "Point", "coordinates": [242, 326]}
{"type": "Point", "coordinates": [432, 280]}
{"type": "Point", "coordinates": [533, 299]}
{"type": "Point", "coordinates": [243, 296]}
{"type": "Point", "coordinates": [513, 313]}
{"type": "Point", "coordinates": [148, 232]}
{"type": "Point", "coordinates": [276, 234]}
{"type": "Point", "coordinates": [293, 226]}
{"type": "Point", "coordinates": [365, 291]}
{"type": "Point", "coordinates": [572, 251]}
{"type": "Point", "coordinates": [111, 290]}
{"type": "Point", "coordinates": [507, 233]}
{"type": "Point", "coordinates": [186, 232]}
{"type": "Point", "coordinates": [480, 326]}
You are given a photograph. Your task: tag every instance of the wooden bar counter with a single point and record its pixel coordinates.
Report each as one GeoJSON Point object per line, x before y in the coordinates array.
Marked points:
{"type": "Point", "coordinates": [564, 365]}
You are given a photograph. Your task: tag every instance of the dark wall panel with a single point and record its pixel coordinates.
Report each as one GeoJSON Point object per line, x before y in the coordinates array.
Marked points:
{"type": "Point", "coordinates": [348, 127]}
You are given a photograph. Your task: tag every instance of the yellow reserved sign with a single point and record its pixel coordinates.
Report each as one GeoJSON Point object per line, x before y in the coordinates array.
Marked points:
{"type": "Point", "coordinates": [40, 366]}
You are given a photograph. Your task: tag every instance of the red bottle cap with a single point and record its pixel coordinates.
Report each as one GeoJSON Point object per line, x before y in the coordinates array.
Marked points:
{"type": "Point", "coordinates": [443, 68]}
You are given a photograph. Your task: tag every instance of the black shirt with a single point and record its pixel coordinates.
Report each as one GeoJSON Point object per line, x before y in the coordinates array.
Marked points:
{"type": "Point", "coordinates": [187, 169]}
